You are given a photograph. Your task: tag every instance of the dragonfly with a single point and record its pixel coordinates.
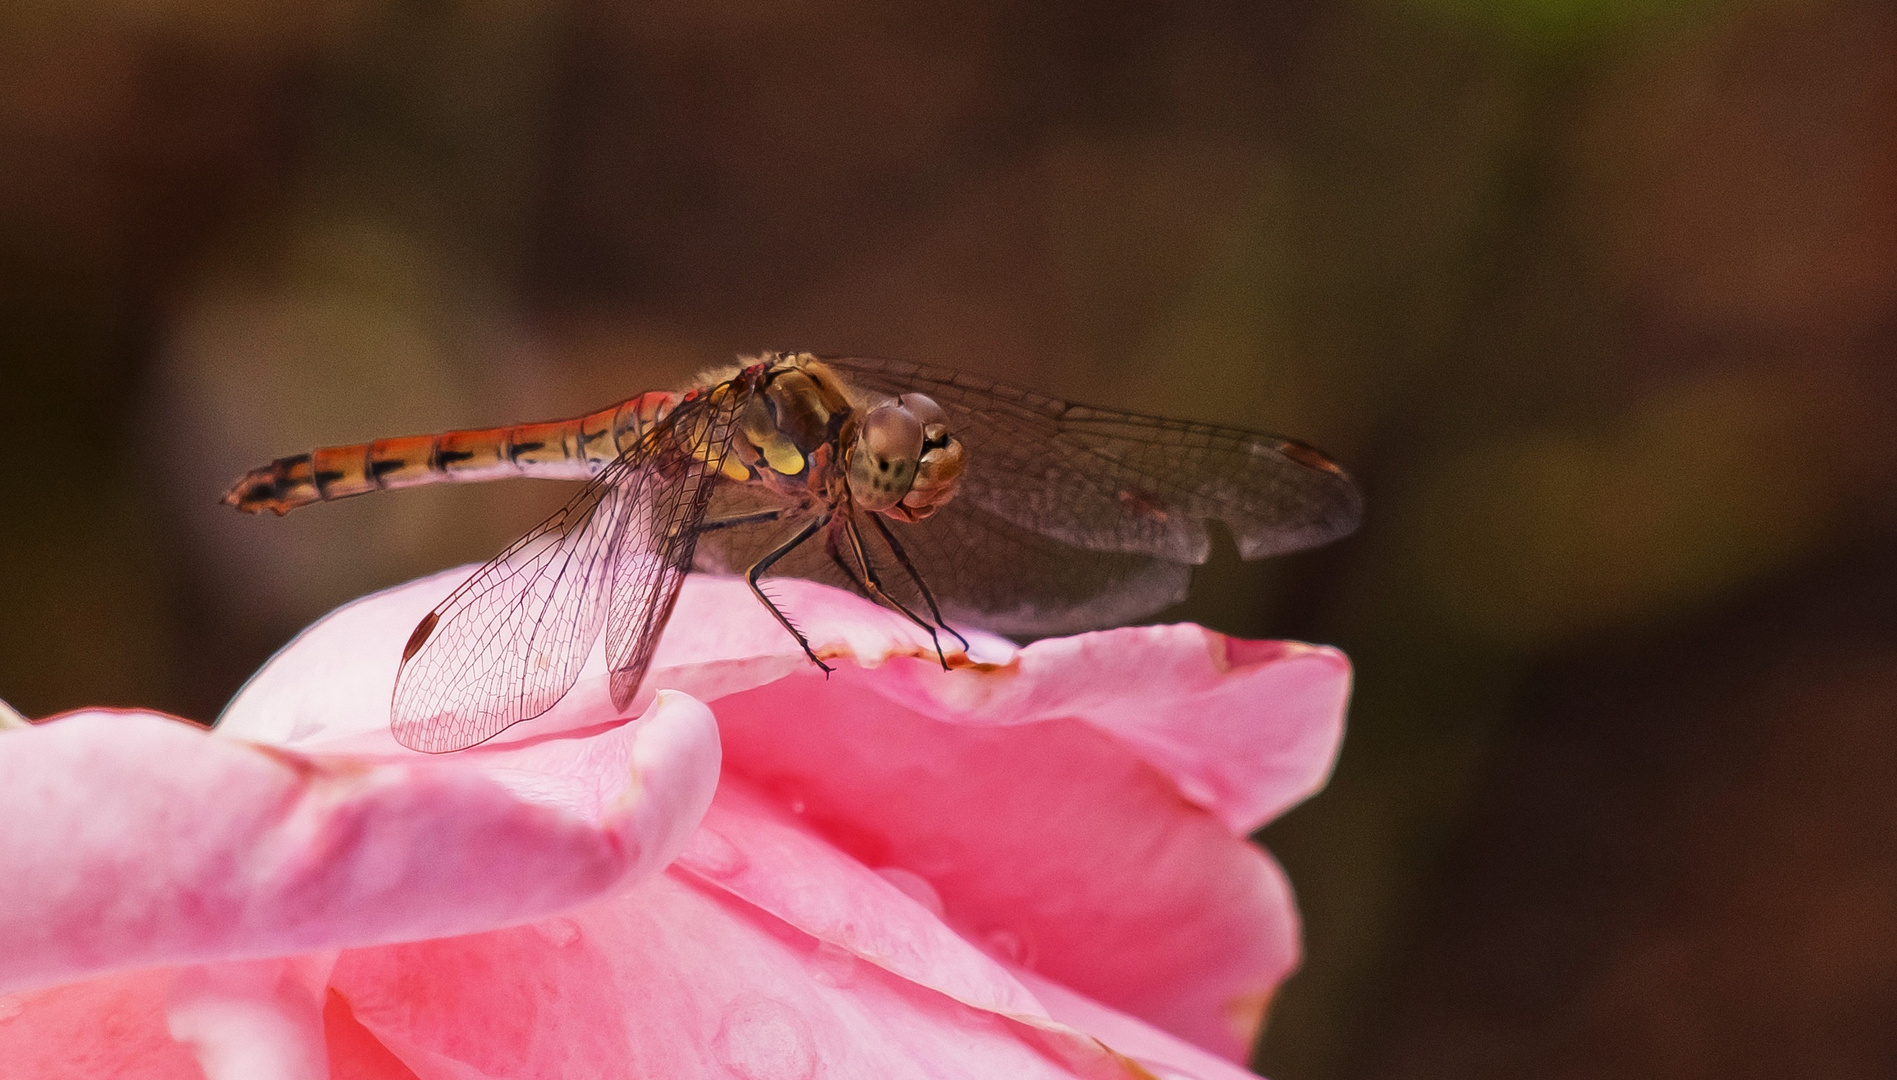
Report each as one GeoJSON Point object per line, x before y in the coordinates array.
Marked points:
{"type": "Point", "coordinates": [944, 497]}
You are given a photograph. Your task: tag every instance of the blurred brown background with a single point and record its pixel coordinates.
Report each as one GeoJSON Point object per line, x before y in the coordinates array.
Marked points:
{"type": "Point", "coordinates": [1595, 296]}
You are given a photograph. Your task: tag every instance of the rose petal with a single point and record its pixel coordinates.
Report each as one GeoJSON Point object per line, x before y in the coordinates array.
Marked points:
{"type": "Point", "coordinates": [761, 853]}
{"type": "Point", "coordinates": [329, 688]}
{"type": "Point", "coordinates": [253, 1018]}
{"type": "Point", "coordinates": [154, 843]}
{"type": "Point", "coordinates": [99, 1029]}
{"type": "Point", "coordinates": [764, 855]}
{"type": "Point", "coordinates": [1112, 740]}
{"type": "Point", "coordinates": [1244, 728]}
{"type": "Point", "coordinates": [354, 1052]}
{"type": "Point", "coordinates": [1156, 1051]}
{"type": "Point", "coordinates": [674, 979]}
{"type": "Point", "coordinates": [1051, 843]}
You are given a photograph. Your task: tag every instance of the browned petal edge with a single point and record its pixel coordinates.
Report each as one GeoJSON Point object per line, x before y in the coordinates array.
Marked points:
{"type": "Point", "coordinates": [11, 718]}
{"type": "Point", "coordinates": [1231, 654]}
{"type": "Point", "coordinates": [305, 766]}
{"type": "Point", "coordinates": [1247, 1012]}
{"type": "Point", "coordinates": [958, 661]}
{"type": "Point", "coordinates": [1076, 1049]}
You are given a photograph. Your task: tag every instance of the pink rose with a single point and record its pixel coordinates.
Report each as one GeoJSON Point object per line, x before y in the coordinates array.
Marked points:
{"type": "Point", "coordinates": [1035, 867]}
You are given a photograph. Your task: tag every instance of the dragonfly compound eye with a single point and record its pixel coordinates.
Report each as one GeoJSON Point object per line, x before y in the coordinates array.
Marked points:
{"type": "Point", "coordinates": [883, 461]}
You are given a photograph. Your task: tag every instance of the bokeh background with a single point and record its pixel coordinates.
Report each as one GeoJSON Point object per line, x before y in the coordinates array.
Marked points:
{"type": "Point", "coordinates": [1595, 296]}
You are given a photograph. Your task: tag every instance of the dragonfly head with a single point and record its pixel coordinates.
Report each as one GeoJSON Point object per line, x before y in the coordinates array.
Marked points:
{"type": "Point", "coordinates": [904, 461]}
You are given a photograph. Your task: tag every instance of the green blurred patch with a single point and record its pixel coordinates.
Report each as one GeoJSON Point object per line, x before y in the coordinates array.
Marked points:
{"type": "Point", "coordinates": [1533, 539]}
{"type": "Point", "coordinates": [1558, 24]}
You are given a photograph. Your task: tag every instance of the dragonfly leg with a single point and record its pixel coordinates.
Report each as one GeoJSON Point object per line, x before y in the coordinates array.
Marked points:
{"type": "Point", "coordinates": [928, 596]}
{"type": "Point", "coordinates": [758, 518]}
{"type": "Point", "coordinates": [874, 584]}
{"type": "Point", "coordinates": [765, 563]}
{"type": "Point", "coordinates": [850, 573]}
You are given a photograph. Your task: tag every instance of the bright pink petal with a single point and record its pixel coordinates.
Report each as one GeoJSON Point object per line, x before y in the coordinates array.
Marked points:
{"type": "Point", "coordinates": [100, 1029]}
{"type": "Point", "coordinates": [1050, 843]}
{"type": "Point", "coordinates": [756, 850]}
{"type": "Point", "coordinates": [674, 978]}
{"type": "Point", "coordinates": [763, 854]}
{"type": "Point", "coordinates": [1161, 1054]}
{"type": "Point", "coordinates": [154, 843]}
{"type": "Point", "coordinates": [354, 1051]}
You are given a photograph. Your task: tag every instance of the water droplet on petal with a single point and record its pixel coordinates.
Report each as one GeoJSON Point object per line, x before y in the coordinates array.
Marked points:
{"type": "Point", "coordinates": [711, 854]}
{"type": "Point", "coordinates": [11, 1005]}
{"type": "Point", "coordinates": [762, 1039]}
{"type": "Point", "coordinates": [915, 887]}
{"type": "Point", "coordinates": [1009, 947]}
{"type": "Point", "coordinates": [559, 932]}
{"type": "Point", "coordinates": [792, 791]}
{"type": "Point", "coordinates": [833, 965]}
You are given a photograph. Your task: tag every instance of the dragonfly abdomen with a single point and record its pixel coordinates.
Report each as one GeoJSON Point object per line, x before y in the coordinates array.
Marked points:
{"type": "Point", "coordinates": [572, 449]}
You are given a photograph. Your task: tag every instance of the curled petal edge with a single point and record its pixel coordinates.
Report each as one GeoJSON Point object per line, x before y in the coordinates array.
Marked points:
{"type": "Point", "coordinates": [156, 844]}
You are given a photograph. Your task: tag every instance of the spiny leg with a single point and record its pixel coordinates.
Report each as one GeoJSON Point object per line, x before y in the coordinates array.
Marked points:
{"type": "Point", "coordinates": [759, 567]}
{"type": "Point", "coordinates": [928, 597]}
{"type": "Point", "coordinates": [874, 584]}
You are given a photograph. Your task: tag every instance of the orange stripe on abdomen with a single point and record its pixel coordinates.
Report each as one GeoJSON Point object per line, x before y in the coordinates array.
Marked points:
{"type": "Point", "coordinates": [556, 450]}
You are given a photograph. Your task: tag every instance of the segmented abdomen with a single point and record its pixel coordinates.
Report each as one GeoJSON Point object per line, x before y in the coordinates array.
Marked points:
{"type": "Point", "coordinates": [561, 450]}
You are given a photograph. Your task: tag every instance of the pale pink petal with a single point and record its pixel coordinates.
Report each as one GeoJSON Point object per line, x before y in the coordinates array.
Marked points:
{"type": "Point", "coordinates": [253, 1018]}
{"type": "Point", "coordinates": [332, 684]}
{"type": "Point", "coordinates": [107, 1028]}
{"type": "Point", "coordinates": [329, 688]}
{"type": "Point", "coordinates": [1244, 728]}
{"type": "Point", "coordinates": [677, 979]}
{"type": "Point", "coordinates": [154, 843]}
{"type": "Point", "coordinates": [1051, 844]}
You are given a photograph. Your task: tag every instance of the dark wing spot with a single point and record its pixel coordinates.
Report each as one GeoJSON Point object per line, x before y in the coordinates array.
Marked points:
{"type": "Point", "coordinates": [420, 637]}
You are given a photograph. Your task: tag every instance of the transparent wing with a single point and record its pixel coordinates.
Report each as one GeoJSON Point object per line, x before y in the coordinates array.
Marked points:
{"type": "Point", "coordinates": [661, 533]}
{"type": "Point", "coordinates": [1121, 482]}
{"type": "Point", "coordinates": [509, 643]}
{"type": "Point", "coordinates": [986, 571]}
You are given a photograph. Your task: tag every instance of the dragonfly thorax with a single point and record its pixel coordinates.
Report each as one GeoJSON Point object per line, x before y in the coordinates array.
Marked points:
{"type": "Point", "coordinates": [805, 432]}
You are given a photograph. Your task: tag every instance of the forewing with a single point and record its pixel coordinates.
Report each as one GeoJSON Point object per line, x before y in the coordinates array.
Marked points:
{"type": "Point", "coordinates": [985, 571]}
{"type": "Point", "coordinates": [991, 573]}
{"type": "Point", "coordinates": [1111, 481]}
{"type": "Point", "coordinates": [663, 515]}
{"type": "Point", "coordinates": [509, 643]}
